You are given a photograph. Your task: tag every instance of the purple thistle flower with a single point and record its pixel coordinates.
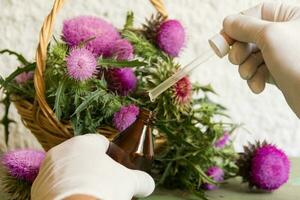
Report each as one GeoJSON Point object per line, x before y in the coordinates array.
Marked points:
{"type": "Point", "coordinates": [222, 141]}
{"type": "Point", "coordinates": [24, 77]}
{"type": "Point", "coordinates": [125, 117]}
{"type": "Point", "coordinates": [122, 50]}
{"type": "Point", "coordinates": [171, 37]}
{"type": "Point", "coordinates": [81, 64]}
{"type": "Point", "coordinates": [270, 168]}
{"type": "Point", "coordinates": [217, 174]}
{"type": "Point", "coordinates": [23, 164]}
{"type": "Point", "coordinates": [121, 80]}
{"type": "Point", "coordinates": [100, 33]}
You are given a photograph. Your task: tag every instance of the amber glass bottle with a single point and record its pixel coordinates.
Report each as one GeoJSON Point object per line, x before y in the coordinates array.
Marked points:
{"type": "Point", "coordinates": [133, 147]}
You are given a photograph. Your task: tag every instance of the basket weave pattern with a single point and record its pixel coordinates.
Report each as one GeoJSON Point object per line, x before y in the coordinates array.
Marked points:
{"type": "Point", "coordinates": [38, 116]}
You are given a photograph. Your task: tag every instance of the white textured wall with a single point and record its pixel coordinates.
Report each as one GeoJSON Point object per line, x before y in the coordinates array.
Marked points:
{"type": "Point", "coordinates": [266, 116]}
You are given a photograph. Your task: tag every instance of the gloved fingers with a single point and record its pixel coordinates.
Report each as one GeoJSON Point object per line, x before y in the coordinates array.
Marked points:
{"type": "Point", "coordinates": [248, 68]}
{"type": "Point", "coordinates": [266, 11]}
{"type": "Point", "coordinates": [244, 28]}
{"type": "Point", "coordinates": [279, 12]}
{"type": "Point", "coordinates": [144, 184]}
{"type": "Point", "coordinates": [86, 143]}
{"type": "Point", "coordinates": [240, 51]}
{"type": "Point", "coordinates": [269, 11]}
{"type": "Point", "coordinates": [255, 11]}
{"type": "Point", "coordinates": [274, 12]}
{"type": "Point", "coordinates": [258, 82]}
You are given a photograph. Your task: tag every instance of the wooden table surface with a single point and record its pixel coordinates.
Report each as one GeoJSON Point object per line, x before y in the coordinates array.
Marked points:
{"type": "Point", "coordinates": [234, 190]}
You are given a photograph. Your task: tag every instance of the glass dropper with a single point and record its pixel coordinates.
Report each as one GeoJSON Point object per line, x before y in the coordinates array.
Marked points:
{"type": "Point", "coordinates": [186, 70]}
{"type": "Point", "coordinates": [219, 45]}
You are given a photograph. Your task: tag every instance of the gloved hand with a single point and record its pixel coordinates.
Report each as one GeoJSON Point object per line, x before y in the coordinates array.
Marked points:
{"type": "Point", "coordinates": [268, 46]}
{"type": "Point", "coordinates": [81, 166]}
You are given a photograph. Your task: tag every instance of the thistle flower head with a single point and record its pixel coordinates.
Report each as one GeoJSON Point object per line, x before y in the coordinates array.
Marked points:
{"type": "Point", "coordinates": [182, 91]}
{"type": "Point", "coordinates": [222, 141]}
{"type": "Point", "coordinates": [270, 168]}
{"type": "Point", "coordinates": [122, 50]}
{"type": "Point", "coordinates": [23, 164]}
{"type": "Point", "coordinates": [24, 77]}
{"type": "Point", "coordinates": [125, 117]}
{"type": "Point", "coordinates": [99, 34]}
{"type": "Point", "coordinates": [264, 166]}
{"type": "Point", "coordinates": [81, 64]}
{"type": "Point", "coordinates": [171, 37]}
{"type": "Point", "coordinates": [217, 174]}
{"type": "Point", "coordinates": [121, 80]}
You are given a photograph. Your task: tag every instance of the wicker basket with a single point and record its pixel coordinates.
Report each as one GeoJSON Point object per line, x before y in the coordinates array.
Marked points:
{"type": "Point", "coordinates": [37, 115]}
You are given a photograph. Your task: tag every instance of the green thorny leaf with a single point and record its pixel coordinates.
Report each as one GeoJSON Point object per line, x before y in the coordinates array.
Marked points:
{"type": "Point", "coordinates": [205, 88]}
{"type": "Point", "coordinates": [5, 119]}
{"type": "Point", "coordinates": [190, 152]}
{"type": "Point", "coordinates": [129, 20]}
{"type": "Point", "coordinates": [120, 63]}
{"type": "Point", "coordinates": [142, 47]}
{"type": "Point", "coordinates": [59, 97]}
{"type": "Point", "coordinates": [9, 85]}
{"type": "Point", "coordinates": [89, 99]}
{"type": "Point", "coordinates": [19, 56]}
{"type": "Point", "coordinates": [29, 67]}
{"type": "Point", "coordinates": [93, 108]}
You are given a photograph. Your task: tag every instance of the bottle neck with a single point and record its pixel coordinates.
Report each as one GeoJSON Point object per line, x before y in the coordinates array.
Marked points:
{"type": "Point", "coordinates": [146, 116]}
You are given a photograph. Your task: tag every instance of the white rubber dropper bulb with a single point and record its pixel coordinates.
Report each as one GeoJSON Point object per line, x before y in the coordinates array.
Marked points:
{"type": "Point", "coordinates": [220, 43]}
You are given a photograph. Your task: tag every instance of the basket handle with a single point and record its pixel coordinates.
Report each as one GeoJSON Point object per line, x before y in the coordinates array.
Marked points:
{"type": "Point", "coordinates": [41, 55]}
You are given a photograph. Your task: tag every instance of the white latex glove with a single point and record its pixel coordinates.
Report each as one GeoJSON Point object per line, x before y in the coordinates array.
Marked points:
{"type": "Point", "coordinates": [268, 47]}
{"type": "Point", "coordinates": [81, 166]}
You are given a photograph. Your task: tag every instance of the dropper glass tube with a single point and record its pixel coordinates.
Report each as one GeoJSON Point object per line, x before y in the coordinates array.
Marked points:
{"type": "Point", "coordinates": [186, 70]}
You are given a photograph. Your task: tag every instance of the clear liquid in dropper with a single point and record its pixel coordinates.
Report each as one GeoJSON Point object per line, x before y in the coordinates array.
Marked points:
{"type": "Point", "coordinates": [186, 70]}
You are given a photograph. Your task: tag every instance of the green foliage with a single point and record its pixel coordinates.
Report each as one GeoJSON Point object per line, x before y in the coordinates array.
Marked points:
{"type": "Point", "coordinates": [129, 20]}
{"type": "Point", "coordinates": [9, 87]}
{"type": "Point", "coordinates": [5, 119]}
{"type": "Point", "coordinates": [189, 151]}
{"type": "Point", "coordinates": [27, 68]}
{"type": "Point", "coordinates": [58, 53]}
{"type": "Point", "coordinates": [59, 97]}
{"type": "Point", "coordinates": [93, 108]}
{"type": "Point", "coordinates": [56, 57]}
{"type": "Point", "coordinates": [142, 47]}
{"type": "Point", "coordinates": [19, 56]}
{"type": "Point", "coordinates": [85, 104]}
